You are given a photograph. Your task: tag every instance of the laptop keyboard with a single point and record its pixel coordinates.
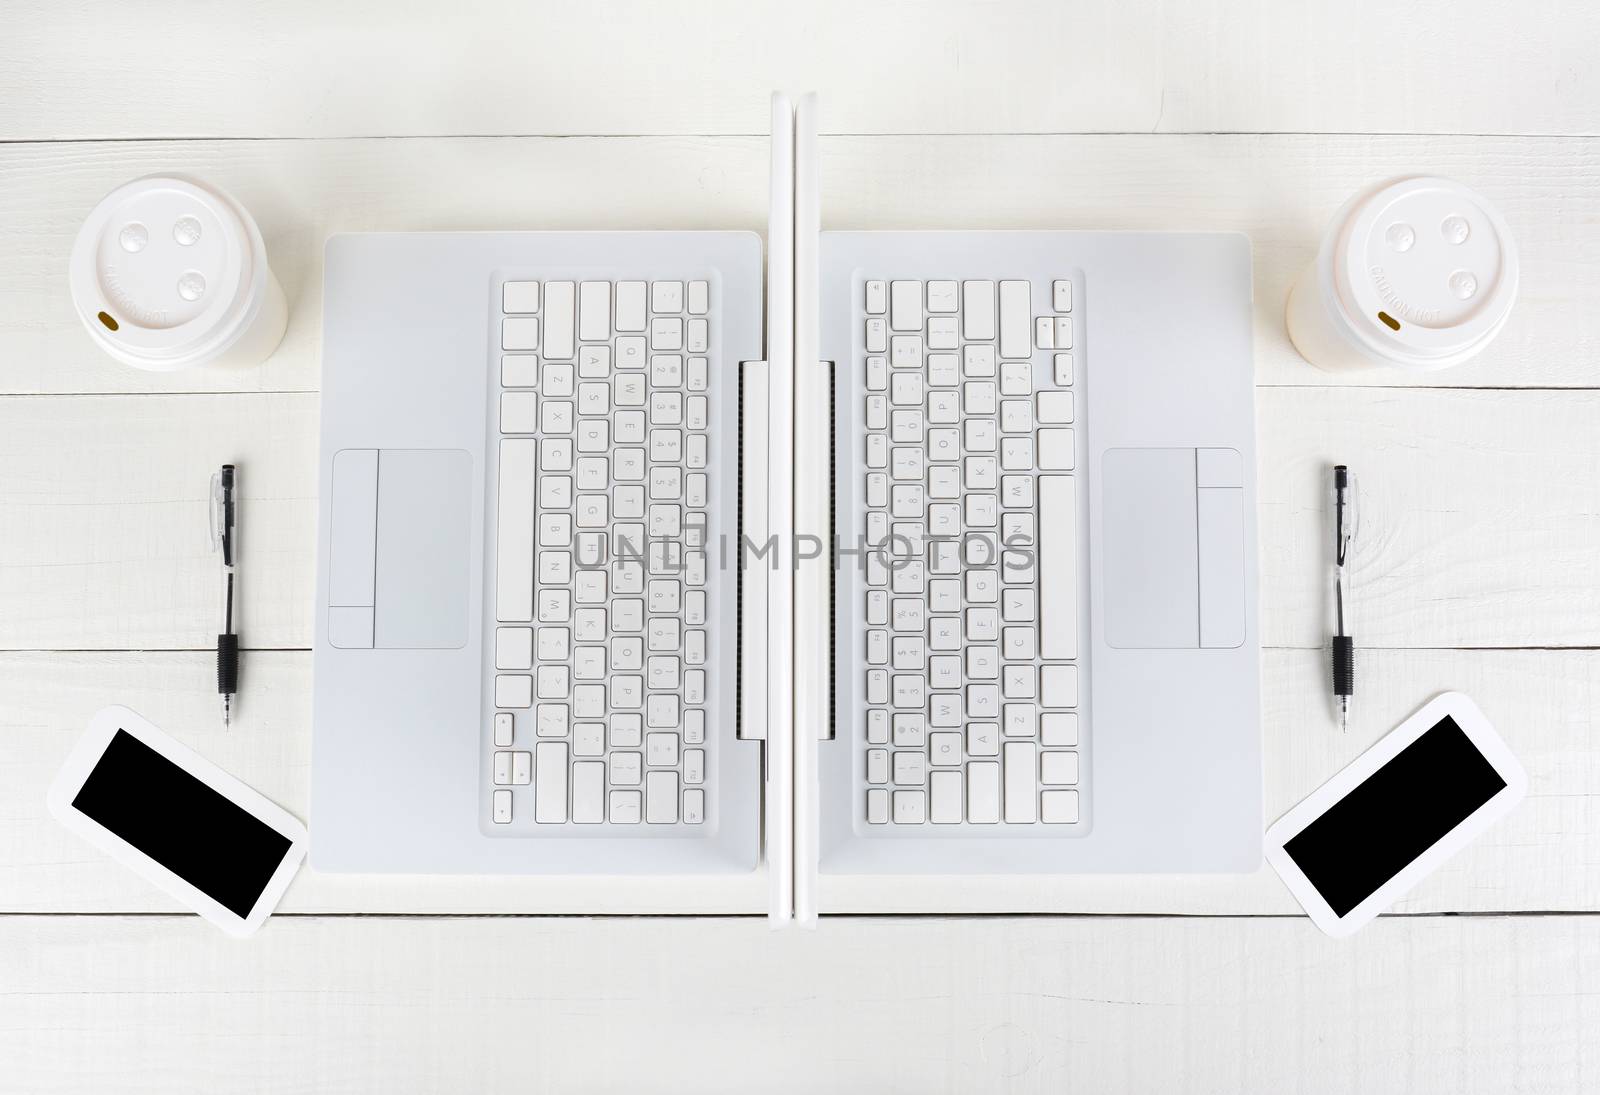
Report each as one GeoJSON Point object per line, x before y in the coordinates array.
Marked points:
{"type": "Point", "coordinates": [971, 607]}
{"type": "Point", "coordinates": [600, 593]}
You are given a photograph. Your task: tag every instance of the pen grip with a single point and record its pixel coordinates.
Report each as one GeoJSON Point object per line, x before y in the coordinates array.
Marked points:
{"type": "Point", "coordinates": [227, 664]}
{"type": "Point", "coordinates": [1344, 665]}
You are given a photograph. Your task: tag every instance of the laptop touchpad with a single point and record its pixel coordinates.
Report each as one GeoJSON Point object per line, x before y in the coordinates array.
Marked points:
{"type": "Point", "coordinates": [423, 542]}
{"type": "Point", "coordinates": [1173, 527]}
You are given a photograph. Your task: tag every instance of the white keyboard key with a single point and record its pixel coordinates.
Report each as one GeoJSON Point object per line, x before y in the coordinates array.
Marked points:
{"type": "Point", "coordinates": [554, 682]}
{"type": "Point", "coordinates": [1016, 416]}
{"type": "Point", "coordinates": [557, 416]}
{"type": "Point", "coordinates": [666, 333]}
{"type": "Point", "coordinates": [1021, 783]}
{"type": "Point", "coordinates": [699, 298]}
{"type": "Point", "coordinates": [505, 729]}
{"type": "Point", "coordinates": [594, 362]}
{"type": "Point", "coordinates": [1016, 320]}
{"type": "Point", "coordinates": [877, 805]}
{"type": "Point", "coordinates": [627, 769]}
{"type": "Point", "coordinates": [626, 731]}
{"type": "Point", "coordinates": [632, 351]}
{"type": "Point", "coordinates": [983, 739]}
{"type": "Point", "coordinates": [942, 296]}
{"type": "Point", "coordinates": [502, 769]}
{"type": "Point", "coordinates": [905, 351]}
{"type": "Point", "coordinates": [977, 316]}
{"type": "Point", "coordinates": [978, 361]}
{"type": "Point", "coordinates": [1063, 369]}
{"type": "Point", "coordinates": [1016, 378]}
{"type": "Point", "coordinates": [1058, 582]}
{"type": "Point", "coordinates": [1044, 333]}
{"type": "Point", "coordinates": [877, 298]}
{"type": "Point", "coordinates": [877, 766]}
{"type": "Point", "coordinates": [558, 381]}
{"type": "Point", "coordinates": [942, 333]}
{"type": "Point", "coordinates": [1058, 686]}
{"type": "Point", "coordinates": [983, 792]}
{"type": "Point", "coordinates": [1063, 334]}
{"type": "Point", "coordinates": [661, 750]}
{"type": "Point", "coordinates": [521, 769]}
{"type": "Point", "coordinates": [519, 296]}
{"type": "Point", "coordinates": [588, 793]}
{"type": "Point", "coordinates": [910, 807]}
{"type": "Point", "coordinates": [694, 806]}
{"type": "Point", "coordinates": [625, 807]}
{"type": "Point", "coordinates": [944, 370]}
{"type": "Point", "coordinates": [559, 300]}
{"type": "Point", "coordinates": [550, 787]}
{"type": "Point", "coordinates": [1061, 295]}
{"type": "Point", "coordinates": [905, 390]}
{"type": "Point", "coordinates": [555, 454]}
{"type": "Point", "coordinates": [979, 397]}
{"type": "Point", "coordinates": [945, 798]}
{"type": "Point", "coordinates": [502, 807]}
{"type": "Point", "coordinates": [910, 730]}
{"type": "Point", "coordinates": [666, 297]}
{"type": "Point", "coordinates": [589, 739]}
{"type": "Point", "coordinates": [514, 531]}
{"type": "Point", "coordinates": [1058, 769]}
{"type": "Point", "coordinates": [1055, 449]}
{"type": "Point", "coordinates": [905, 305]}
{"type": "Point", "coordinates": [630, 306]}
{"type": "Point", "coordinates": [1059, 808]}
{"type": "Point", "coordinates": [519, 333]}
{"type": "Point", "coordinates": [661, 798]}
{"type": "Point", "coordinates": [513, 648]}
{"type": "Point", "coordinates": [519, 371]}
{"type": "Point", "coordinates": [694, 766]}
{"type": "Point", "coordinates": [944, 749]}
{"type": "Point", "coordinates": [1054, 408]}
{"type": "Point", "coordinates": [1058, 728]}
{"type": "Point", "coordinates": [698, 337]}
{"type": "Point", "coordinates": [877, 335]}
{"type": "Point", "coordinates": [551, 720]}
{"type": "Point", "coordinates": [594, 311]}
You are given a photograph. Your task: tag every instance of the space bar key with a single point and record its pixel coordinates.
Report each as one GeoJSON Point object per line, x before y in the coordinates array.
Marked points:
{"type": "Point", "coordinates": [1058, 566]}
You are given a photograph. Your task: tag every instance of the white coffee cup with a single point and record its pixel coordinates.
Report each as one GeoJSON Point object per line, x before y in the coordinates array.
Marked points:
{"type": "Point", "coordinates": [170, 272]}
{"type": "Point", "coordinates": [1415, 273]}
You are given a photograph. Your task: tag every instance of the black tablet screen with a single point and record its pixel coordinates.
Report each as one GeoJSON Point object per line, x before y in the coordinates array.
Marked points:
{"type": "Point", "coordinates": [1396, 814]}
{"type": "Point", "coordinates": [192, 830]}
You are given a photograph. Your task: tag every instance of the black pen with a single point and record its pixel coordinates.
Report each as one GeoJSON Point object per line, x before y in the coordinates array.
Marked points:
{"type": "Point", "coordinates": [225, 538]}
{"type": "Point", "coordinates": [1344, 529]}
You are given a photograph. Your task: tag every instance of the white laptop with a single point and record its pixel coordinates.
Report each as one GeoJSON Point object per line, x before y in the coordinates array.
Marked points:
{"type": "Point", "coordinates": [938, 555]}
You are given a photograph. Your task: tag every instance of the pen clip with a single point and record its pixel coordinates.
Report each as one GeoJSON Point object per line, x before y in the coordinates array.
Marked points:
{"type": "Point", "coordinates": [1346, 514]}
{"type": "Point", "coordinates": [223, 514]}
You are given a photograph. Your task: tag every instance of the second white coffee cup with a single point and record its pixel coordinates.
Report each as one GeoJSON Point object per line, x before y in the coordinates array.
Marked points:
{"type": "Point", "coordinates": [169, 272]}
{"type": "Point", "coordinates": [1415, 273]}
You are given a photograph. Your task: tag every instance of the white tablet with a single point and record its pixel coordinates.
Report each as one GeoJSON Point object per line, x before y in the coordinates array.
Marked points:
{"type": "Point", "coordinates": [1395, 813]}
{"type": "Point", "coordinates": [179, 820]}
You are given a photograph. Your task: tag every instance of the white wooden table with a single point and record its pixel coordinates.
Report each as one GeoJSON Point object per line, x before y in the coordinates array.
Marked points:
{"type": "Point", "coordinates": [1482, 488]}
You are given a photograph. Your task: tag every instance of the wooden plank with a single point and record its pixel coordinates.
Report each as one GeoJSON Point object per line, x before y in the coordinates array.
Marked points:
{"type": "Point", "coordinates": [1479, 527]}
{"type": "Point", "coordinates": [363, 68]}
{"type": "Point", "coordinates": [1541, 701]}
{"type": "Point", "coordinates": [1279, 190]}
{"type": "Point", "coordinates": [1432, 1006]}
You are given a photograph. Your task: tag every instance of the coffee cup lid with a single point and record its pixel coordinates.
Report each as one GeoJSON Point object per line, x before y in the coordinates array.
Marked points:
{"type": "Point", "coordinates": [1423, 270]}
{"type": "Point", "coordinates": [167, 272]}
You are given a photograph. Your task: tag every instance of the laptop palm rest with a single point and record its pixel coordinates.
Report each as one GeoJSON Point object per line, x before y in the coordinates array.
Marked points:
{"type": "Point", "coordinates": [1173, 528]}
{"type": "Point", "coordinates": [400, 546]}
